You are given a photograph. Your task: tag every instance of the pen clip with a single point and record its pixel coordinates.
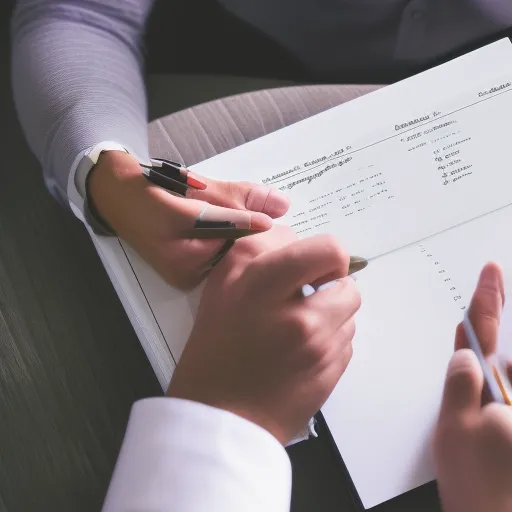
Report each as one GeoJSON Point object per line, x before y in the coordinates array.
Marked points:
{"type": "Point", "coordinates": [162, 162]}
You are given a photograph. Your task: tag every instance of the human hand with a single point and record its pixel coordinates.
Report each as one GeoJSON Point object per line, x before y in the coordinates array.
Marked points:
{"type": "Point", "coordinates": [157, 224]}
{"type": "Point", "coordinates": [473, 444]}
{"type": "Point", "coordinates": [260, 349]}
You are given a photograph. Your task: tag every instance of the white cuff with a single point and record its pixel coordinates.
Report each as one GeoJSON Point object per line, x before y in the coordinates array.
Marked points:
{"type": "Point", "coordinates": [80, 169]}
{"type": "Point", "coordinates": [188, 457]}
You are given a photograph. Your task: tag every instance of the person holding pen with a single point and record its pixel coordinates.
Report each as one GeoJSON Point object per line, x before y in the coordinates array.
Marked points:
{"type": "Point", "coordinates": [79, 91]}
{"type": "Point", "coordinates": [77, 71]}
{"type": "Point", "coordinates": [262, 359]}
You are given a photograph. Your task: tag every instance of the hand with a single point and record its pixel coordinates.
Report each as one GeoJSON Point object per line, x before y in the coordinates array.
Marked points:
{"type": "Point", "coordinates": [473, 444]}
{"type": "Point", "coordinates": [156, 223]}
{"type": "Point", "coordinates": [258, 348]}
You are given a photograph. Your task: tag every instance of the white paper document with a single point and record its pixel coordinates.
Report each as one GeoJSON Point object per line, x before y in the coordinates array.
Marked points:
{"type": "Point", "coordinates": [415, 177]}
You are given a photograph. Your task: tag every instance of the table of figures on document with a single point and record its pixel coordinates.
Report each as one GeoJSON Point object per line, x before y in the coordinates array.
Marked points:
{"type": "Point", "coordinates": [427, 175]}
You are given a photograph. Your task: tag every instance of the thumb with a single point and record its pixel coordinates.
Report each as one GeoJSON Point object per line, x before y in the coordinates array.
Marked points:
{"type": "Point", "coordinates": [242, 195]}
{"type": "Point", "coordinates": [485, 310]}
{"type": "Point", "coordinates": [463, 386]}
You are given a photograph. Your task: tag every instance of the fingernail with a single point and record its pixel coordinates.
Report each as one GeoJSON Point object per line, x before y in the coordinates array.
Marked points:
{"type": "Point", "coordinates": [259, 222]}
{"type": "Point", "coordinates": [267, 200]}
{"type": "Point", "coordinates": [223, 251]}
{"type": "Point", "coordinates": [356, 264]}
{"type": "Point", "coordinates": [277, 204]}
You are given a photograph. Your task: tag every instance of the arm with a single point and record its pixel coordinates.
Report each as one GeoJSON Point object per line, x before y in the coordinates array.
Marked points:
{"type": "Point", "coordinates": [77, 80]}
{"type": "Point", "coordinates": [260, 361]}
{"type": "Point", "coordinates": [473, 438]}
{"type": "Point", "coordinates": [188, 457]}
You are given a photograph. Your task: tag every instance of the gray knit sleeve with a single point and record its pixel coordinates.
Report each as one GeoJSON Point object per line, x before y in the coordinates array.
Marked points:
{"type": "Point", "coordinates": [77, 79]}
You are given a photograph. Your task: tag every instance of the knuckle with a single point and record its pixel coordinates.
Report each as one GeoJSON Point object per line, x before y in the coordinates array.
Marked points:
{"type": "Point", "coordinates": [250, 245]}
{"type": "Point", "coordinates": [350, 295]}
{"type": "Point", "coordinates": [271, 240]}
{"type": "Point", "coordinates": [348, 352]}
{"type": "Point", "coordinates": [346, 357]}
{"type": "Point", "coordinates": [253, 274]}
{"type": "Point", "coordinates": [304, 325]}
{"type": "Point", "coordinates": [326, 387]}
{"type": "Point", "coordinates": [350, 330]}
{"type": "Point", "coordinates": [356, 296]}
{"type": "Point", "coordinates": [315, 350]}
{"type": "Point", "coordinates": [293, 252]}
{"type": "Point", "coordinates": [284, 233]}
{"type": "Point", "coordinates": [238, 189]}
{"type": "Point", "coordinates": [487, 305]}
{"type": "Point", "coordinates": [336, 252]}
{"type": "Point", "coordinates": [346, 334]}
{"type": "Point", "coordinates": [461, 377]}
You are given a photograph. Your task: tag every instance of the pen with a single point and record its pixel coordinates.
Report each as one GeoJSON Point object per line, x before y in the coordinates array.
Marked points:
{"type": "Point", "coordinates": [356, 264]}
{"type": "Point", "coordinates": [208, 229]}
{"type": "Point", "coordinates": [175, 178]}
{"type": "Point", "coordinates": [171, 176]}
{"type": "Point", "coordinates": [495, 382]}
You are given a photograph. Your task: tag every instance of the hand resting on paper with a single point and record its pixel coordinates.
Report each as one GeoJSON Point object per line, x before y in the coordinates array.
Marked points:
{"type": "Point", "coordinates": [473, 444]}
{"type": "Point", "coordinates": [261, 350]}
{"type": "Point", "coordinates": [155, 222]}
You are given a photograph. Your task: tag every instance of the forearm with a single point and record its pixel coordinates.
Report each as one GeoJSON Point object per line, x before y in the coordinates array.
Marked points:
{"type": "Point", "coordinates": [77, 79]}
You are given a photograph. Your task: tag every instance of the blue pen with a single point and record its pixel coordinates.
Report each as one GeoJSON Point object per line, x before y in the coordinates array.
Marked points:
{"type": "Point", "coordinates": [493, 379]}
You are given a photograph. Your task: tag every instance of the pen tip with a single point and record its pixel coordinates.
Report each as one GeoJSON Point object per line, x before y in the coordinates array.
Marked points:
{"type": "Point", "coordinates": [356, 264]}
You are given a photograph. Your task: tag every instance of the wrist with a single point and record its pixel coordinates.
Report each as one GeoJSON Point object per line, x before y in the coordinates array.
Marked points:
{"type": "Point", "coordinates": [113, 183]}
{"type": "Point", "coordinates": [194, 393]}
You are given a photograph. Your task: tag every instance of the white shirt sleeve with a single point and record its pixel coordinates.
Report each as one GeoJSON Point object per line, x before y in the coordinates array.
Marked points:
{"type": "Point", "coordinates": [183, 456]}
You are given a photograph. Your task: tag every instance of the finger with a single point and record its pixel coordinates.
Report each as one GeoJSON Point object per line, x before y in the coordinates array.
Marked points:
{"type": "Point", "coordinates": [339, 359]}
{"type": "Point", "coordinates": [344, 339]}
{"type": "Point", "coordinates": [191, 253]}
{"type": "Point", "coordinates": [222, 252]}
{"type": "Point", "coordinates": [344, 358]}
{"type": "Point", "coordinates": [336, 304]}
{"type": "Point", "coordinates": [460, 338]}
{"type": "Point", "coordinates": [485, 310]}
{"type": "Point", "coordinates": [355, 265]}
{"type": "Point", "coordinates": [243, 196]}
{"type": "Point", "coordinates": [286, 270]}
{"type": "Point", "coordinates": [244, 222]}
{"type": "Point", "coordinates": [341, 344]}
{"type": "Point", "coordinates": [249, 248]}
{"type": "Point", "coordinates": [194, 258]}
{"type": "Point", "coordinates": [463, 386]}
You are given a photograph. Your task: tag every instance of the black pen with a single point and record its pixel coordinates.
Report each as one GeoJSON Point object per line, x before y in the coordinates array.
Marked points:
{"type": "Point", "coordinates": [206, 229]}
{"type": "Point", "coordinates": [171, 176]}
